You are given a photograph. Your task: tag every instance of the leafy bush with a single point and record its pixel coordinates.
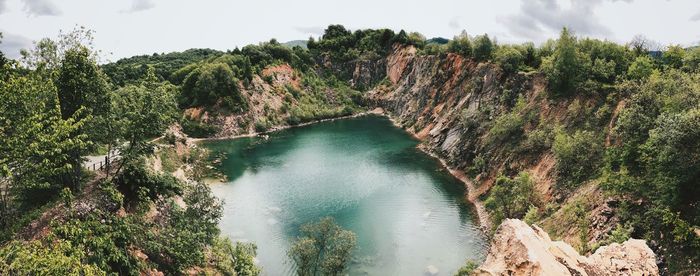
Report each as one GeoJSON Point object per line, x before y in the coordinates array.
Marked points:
{"type": "Point", "coordinates": [577, 155]}
{"type": "Point", "coordinates": [511, 198]}
{"type": "Point", "coordinates": [509, 125]}
{"type": "Point", "coordinates": [460, 44]}
{"type": "Point", "coordinates": [483, 48]}
{"type": "Point", "coordinates": [197, 129]}
{"type": "Point", "coordinates": [205, 85]}
{"type": "Point", "coordinates": [234, 259]}
{"type": "Point", "coordinates": [563, 69]}
{"type": "Point", "coordinates": [105, 239]}
{"type": "Point", "coordinates": [53, 258]}
{"type": "Point", "coordinates": [641, 68]}
{"type": "Point", "coordinates": [509, 59]}
{"type": "Point", "coordinates": [467, 269]}
{"type": "Point", "coordinates": [136, 181]}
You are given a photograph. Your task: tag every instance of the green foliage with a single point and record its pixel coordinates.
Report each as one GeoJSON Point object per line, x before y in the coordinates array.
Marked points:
{"type": "Point", "coordinates": [181, 240]}
{"type": "Point", "coordinates": [212, 82]}
{"type": "Point", "coordinates": [104, 239]}
{"type": "Point", "coordinates": [37, 146]}
{"type": "Point", "coordinates": [129, 70]}
{"type": "Point", "coordinates": [531, 216]}
{"type": "Point", "coordinates": [509, 59]}
{"type": "Point", "coordinates": [511, 197]}
{"type": "Point", "coordinates": [577, 155]}
{"type": "Point", "coordinates": [509, 125]}
{"type": "Point", "coordinates": [467, 269]}
{"type": "Point", "coordinates": [563, 69]}
{"type": "Point", "coordinates": [656, 164]}
{"type": "Point", "coordinates": [461, 45]}
{"type": "Point", "coordinates": [141, 112]}
{"type": "Point", "coordinates": [136, 181]}
{"type": "Point", "coordinates": [483, 48]}
{"type": "Point", "coordinates": [36, 258]}
{"type": "Point", "coordinates": [323, 249]}
{"type": "Point", "coordinates": [197, 129]}
{"type": "Point", "coordinates": [641, 68]}
{"type": "Point", "coordinates": [691, 62]}
{"type": "Point", "coordinates": [234, 259]}
{"type": "Point", "coordinates": [673, 56]}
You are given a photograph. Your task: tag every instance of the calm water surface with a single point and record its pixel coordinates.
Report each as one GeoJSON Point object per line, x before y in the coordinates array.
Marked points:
{"type": "Point", "coordinates": [408, 213]}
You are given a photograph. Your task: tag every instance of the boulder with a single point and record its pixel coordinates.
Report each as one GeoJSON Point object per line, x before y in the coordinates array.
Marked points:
{"type": "Point", "coordinates": [518, 249]}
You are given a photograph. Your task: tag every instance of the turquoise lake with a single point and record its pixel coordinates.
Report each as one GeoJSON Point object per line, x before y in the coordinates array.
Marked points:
{"type": "Point", "coordinates": [407, 211]}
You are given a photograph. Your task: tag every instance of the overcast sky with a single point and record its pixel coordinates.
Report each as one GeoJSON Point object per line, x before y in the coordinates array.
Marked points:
{"type": "Point", "coordinates": [130, 27]}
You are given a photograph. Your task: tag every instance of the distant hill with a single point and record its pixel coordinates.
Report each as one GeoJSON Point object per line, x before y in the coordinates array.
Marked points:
{"type": "Point", "coordinates": [437, 40]}
{"type": "Point", "coordinates": [290, 44]}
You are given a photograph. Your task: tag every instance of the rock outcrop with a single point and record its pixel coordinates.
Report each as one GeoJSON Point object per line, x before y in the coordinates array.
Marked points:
{"type": "Point", "coordinates": [518, 249]}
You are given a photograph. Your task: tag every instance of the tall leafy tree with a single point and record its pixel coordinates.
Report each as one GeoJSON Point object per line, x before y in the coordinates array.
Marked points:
{"type": "Point", "coordinates": [35, 142]}
{"type": "Point", "coordinates": [140, 113]}
{"type": "Point", "coordinates": [483, 48]}
{"type": "Point", "coordinates": [563, 68]}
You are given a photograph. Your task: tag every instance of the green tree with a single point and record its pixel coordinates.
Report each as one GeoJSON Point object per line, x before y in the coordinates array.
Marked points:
{"type": "Point", "coordinates": [234, 259]}
{"type": "Point", "coordinates": [673, 56]}
{"type": "Point", "coordinates": [641, 68]}
{"type": "Point", "coordinates": [691, 62]}
{"type": "Point", "coordinates": [210, 84]}
{"type": "Point", "coordinates": [35, 142]}
{"type": "Point", "coordinates": [509, 59]}
{"type": "Point", "coordinates": [511, 197]}
{"type": "Point", "coordinates": [140, 113]}
{"type": "Point", "coordinates": [563, 68]}
{"type": "Point", "coordinates": [577, 155]}
{"type": "Point", "coordinates": [323, 249]}
{"type": "Point", "coordinates": [53, 258]}
{"type": "Point", "coordinates": [82, 86]}
{"type": "Point", "coordinates": [461, 45]}
{"type": "Point", "coordinates": [483, 48]}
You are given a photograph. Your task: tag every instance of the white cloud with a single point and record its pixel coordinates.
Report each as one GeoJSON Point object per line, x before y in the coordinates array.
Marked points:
{"type": "Point", "coordinates": [41, 7]}
{"type": "Point", "coordinates": [537, 17]}
{"type": "Point", "coordinates": [140, 5]}
{"type": "Point", "coordinates": [12, 43]}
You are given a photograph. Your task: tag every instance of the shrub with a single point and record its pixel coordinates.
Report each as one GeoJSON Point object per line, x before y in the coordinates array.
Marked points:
{"type": "Point", "coordinates": [564, 68]}
{"type": "Point", "coordinates": [511, 197]}
{"type": "Point", "coordinates": [641, 68]}
{"type": "Point", "coordinates": [262, 125]}
{"type": "Point", "coordinates": [53, 258]}
{"type": "Point", "coordinates": [509, 59]}
{"type": "Point", "coordinates": [459, 45]}
{"type": "Point", "coordinates": [136, 181]}
{"type": "Point", "coordinates": [577, 155]}
{"type": "Point", "coordinates": [509, 125]}
{"type": "Point", "coordinates": [483, 48]}
{"type": "Point", "coordinates": [197, 129]}
{"type": "Point", "coordinates": [467, 269]}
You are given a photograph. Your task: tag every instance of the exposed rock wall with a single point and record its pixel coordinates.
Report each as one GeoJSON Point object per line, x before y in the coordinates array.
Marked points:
{"type": "Point", "coordinates": [430, 95]}
{"type": "Point", "coordinates": [518, 249]}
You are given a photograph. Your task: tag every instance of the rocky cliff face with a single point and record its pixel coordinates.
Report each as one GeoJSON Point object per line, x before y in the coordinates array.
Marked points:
{"type": "Point", "coordinates": [442, 101]}
{"type": "Point", "coordinates": [518, 249]}
{"type": "Point", "coordinates": [451, 103]}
